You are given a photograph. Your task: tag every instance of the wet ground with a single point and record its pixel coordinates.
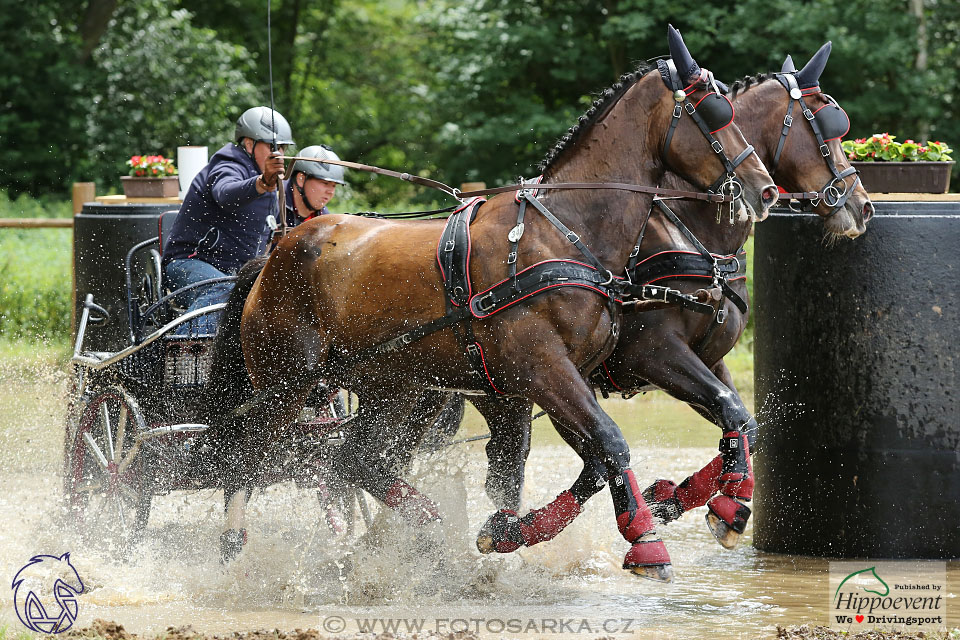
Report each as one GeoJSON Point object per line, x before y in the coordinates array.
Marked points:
{"type": "Point", "coordinates": [294, 574]}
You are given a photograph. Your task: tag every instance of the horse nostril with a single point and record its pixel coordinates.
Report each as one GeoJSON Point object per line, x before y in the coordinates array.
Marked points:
{"type": "Point", "coordinates": [769, 195]}
{"type": "Point", "coordinates": [868, 211]}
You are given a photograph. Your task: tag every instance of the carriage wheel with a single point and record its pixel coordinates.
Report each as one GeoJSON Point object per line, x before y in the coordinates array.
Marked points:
{"type": "Point", "coordinates": [107, 493]}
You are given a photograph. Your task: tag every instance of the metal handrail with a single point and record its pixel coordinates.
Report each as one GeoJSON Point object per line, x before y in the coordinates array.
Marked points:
{"type": "Point", "coordinates": [96, 362]}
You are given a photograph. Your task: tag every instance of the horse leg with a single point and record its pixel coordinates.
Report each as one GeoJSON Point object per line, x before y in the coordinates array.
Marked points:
{"type": "Point", "coordinates": [246, 464]}
{"type": "Point", "coordinates": [687, 378]}
{"type": "Point", "coordinates": [509, 422]}
{"type": "Point", "coordinates": [361, 464]}
{"type": "Point", "coordinates": [570, 402]}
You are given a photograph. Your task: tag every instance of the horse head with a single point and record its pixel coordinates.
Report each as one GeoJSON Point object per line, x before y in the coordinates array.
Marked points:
{"type": "Point", "coordinates": [810, 158]}
{"type": "Point", "coordinates": [726, 163]}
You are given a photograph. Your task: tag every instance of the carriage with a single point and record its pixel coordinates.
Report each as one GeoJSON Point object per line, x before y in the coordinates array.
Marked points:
{"type": "Point", "coordinates": [133, 426]}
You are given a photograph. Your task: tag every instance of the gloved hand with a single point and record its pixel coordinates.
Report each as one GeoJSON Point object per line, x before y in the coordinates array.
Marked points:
{"type": "Point", "coordinates": [273, 170]}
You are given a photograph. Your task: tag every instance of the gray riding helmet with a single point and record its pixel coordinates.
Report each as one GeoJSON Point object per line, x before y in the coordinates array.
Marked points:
{"type": "Point", "coordinates": [257, 123]}
{"type": "Point", "coordinates": [321, 170]}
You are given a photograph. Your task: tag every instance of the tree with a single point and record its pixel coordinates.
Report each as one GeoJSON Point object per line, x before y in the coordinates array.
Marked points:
{"type": "Point", "coordinates": [163, 83]}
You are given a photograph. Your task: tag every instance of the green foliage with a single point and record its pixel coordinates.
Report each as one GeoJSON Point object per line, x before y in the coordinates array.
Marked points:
{"type": "Point", "coordinates": [35, 283]}
{"type": "Point", "coordinates": [43, 101]}
{"type": "Point", "coordinates": [35, 268]}
{"type": "Point", "coordinates": [162, 83]}
{"type": "Point", "coordinates": [453, 89]}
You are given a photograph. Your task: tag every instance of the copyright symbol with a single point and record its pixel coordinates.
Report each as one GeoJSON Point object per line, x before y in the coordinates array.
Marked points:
{"type": "Point", "coordinates": [334, 624]}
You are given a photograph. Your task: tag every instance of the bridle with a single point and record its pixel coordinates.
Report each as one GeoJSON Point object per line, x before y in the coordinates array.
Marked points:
{"type": "Point", "coordinates": [715, 114]}
{"type": "Point", "coordinates": [836, 191]}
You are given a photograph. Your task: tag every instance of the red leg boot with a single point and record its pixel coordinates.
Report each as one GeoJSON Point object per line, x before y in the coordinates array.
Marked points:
{"type": "Point", "coordinates": [648, 556]}
{"type": "Point", "coordinates": [668, 501]}
{"type": "Point", "coordinates": [413, 506]}
{"type": "Point", "coordinates": [728, 514]}
{"type": "Point", "coordinates": [505, 531]}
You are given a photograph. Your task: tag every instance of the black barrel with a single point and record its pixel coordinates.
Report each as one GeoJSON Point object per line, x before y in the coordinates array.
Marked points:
{"type": "Point", "coordinates": [102, 236]}
{"type": "Point", "coordinates": [857, 351]}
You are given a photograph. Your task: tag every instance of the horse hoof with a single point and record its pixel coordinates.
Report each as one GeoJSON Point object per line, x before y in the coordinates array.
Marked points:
{"type": "Point", "coordinates": [485, 543]}
{"type": "Point", "coordinates": [727, 519]}
{"type": "Point", "coordinates": [231, 544]}
{"type": "Point", "coordinates": [648, 558]}
{"type": "Point", "coordinates": [657, 573]}
{"type": "Point", "coordinates": [493, 536]}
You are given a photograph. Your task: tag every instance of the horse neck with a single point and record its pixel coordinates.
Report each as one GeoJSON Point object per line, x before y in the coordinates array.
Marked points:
{"type": "Point", "coordinates": [617, 148]}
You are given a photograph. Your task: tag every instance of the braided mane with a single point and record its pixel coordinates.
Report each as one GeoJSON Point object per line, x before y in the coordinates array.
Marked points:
{"type": "Point", "coordinates": [610, 96]}
{"type": "Point", "coordinates": [606, 99]}
{"type": "Point", "coordinates": [746, 83]}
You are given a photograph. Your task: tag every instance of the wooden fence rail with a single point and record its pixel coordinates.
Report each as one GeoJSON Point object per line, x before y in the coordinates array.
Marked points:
{"type": "Point", "coordinates": [36, 223]}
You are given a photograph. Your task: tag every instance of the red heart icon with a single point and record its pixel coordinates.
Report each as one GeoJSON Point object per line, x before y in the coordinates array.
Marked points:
{"type": "Point", "coordinates": [859, 618]}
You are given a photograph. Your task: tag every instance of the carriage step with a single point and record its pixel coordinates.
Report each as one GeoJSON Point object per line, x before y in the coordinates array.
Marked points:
{"type": "Point", "coordinates": [167, 429]}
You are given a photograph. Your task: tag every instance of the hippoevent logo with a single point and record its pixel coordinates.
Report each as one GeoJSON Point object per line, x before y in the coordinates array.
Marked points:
{"type": "Point", "coordinates": [887, 595]}
{"type": "Point", "coordinates": [45, 593]}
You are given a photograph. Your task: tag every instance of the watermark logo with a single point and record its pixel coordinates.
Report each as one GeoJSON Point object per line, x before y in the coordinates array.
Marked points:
{"type": "Point", "coordinates": [45, 593]}
{"type": "Point", "coordinates": [888, 595]}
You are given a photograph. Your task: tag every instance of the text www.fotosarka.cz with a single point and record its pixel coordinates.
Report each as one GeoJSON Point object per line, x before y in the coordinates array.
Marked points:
{"type": "Point", "coordinates": [542, 625]}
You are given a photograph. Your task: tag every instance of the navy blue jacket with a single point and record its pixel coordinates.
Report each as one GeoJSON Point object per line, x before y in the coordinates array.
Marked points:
{"type": "Point", "coordinates": [223, 220]}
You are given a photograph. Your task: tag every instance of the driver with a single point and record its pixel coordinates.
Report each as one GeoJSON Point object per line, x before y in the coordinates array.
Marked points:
{"type": "Point", "coordinates": [222, 222]}
{"type": "Point", "coordinates": [313, 184]}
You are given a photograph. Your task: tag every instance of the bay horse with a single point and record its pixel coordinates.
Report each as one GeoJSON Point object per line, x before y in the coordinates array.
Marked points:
{"type": "Point", "coordinates": [679, 350]}
{"type": "Point", "coordinates": [361, 302]}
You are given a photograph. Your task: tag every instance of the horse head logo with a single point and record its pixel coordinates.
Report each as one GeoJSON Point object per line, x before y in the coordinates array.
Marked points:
{"type": "Point", "coordinates": [42, 579]}
{"type": "Point", "coordinates": [866, 578]}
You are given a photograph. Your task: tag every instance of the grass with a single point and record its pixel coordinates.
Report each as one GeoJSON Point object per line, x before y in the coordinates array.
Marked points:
{"type": "Point", "coordinates": [12, 633]}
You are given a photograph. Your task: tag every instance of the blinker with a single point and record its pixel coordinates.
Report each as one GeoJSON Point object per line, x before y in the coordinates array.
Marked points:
{"type": "Point", "coordinates": [716, 110]}
{"type": "Point", "coordinates": [832, 120]}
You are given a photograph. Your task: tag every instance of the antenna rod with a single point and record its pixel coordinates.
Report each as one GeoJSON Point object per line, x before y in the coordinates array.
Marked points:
{"type": "Point", "coordinates": [282, 209]}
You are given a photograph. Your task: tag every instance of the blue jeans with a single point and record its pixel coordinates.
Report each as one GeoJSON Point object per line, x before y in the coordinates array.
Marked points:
{"type": "Point", "coordinates": [180, 273]}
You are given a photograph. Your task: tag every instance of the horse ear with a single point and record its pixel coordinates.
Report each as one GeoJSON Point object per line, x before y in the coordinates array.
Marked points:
{"type": "Point", "coordinates": [66, 556]}
{"type": "Point", "coordinates": [788, 66]}
{"type": "Point", "coordinates": [809, 76]}
{"type": "Point", "coordinates": [687, 67]}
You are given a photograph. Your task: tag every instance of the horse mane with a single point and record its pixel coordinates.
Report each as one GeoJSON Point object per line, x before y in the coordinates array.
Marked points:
{"type": "Point", "coordinates": [601, 104]}
{"type": "Point", "coordinates": [748, 82]}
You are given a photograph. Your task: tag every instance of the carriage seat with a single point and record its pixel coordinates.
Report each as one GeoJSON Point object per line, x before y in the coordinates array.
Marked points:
{"type": "Point", "coordinates": [164, 225]}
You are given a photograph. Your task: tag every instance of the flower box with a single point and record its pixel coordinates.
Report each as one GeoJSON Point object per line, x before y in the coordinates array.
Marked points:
{"type": "Point", "coordinates": [905, 177]}
{"type": "Point", "coordinates": [164, 187]}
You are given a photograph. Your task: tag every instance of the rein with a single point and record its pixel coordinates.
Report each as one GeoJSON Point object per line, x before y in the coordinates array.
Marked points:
{"type": "Point", "coordinates": [460, 195]}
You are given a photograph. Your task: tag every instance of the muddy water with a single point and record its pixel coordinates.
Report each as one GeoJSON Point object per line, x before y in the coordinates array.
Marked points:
{"type": "Point", "coordinates": [295, 573]}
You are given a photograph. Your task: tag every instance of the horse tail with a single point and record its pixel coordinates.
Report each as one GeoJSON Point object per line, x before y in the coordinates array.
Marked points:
{"type": "Point", "coordinates": [228, 384]}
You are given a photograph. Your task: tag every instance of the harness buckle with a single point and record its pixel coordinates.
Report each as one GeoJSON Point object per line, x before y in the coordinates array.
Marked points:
{"type": "Point", "coordinates": [788, 120]}
{"type": "Point", "coordinates": [458, 291]}
{"type": "Point", "coordinates": [406, 339]}
{"type": "Point", "coordinates": [807, 113]}
{"type": "Point", "coordinates": [635, 252]}
{"type": "Point", "coordinates": [572, 237]}
{"type": "Point", "coordinates": [690, 108]}
{"type": "Point", "coordinates": [721, 315]}
{"type": "Point", "coordinates": [473, 350]}
{"type": "Point", "coordinates": [486, 306]}
{"type": "Point", "coordinates": [449, 246]}
{"type": "Point", "coordinates": [677, 111]}
{"type": "Point", "coordinates": [511, 257]}
{"type": "Point", "coordinates": [824, 150]}
{"type": "Point", "coordinates": [717, 147]}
